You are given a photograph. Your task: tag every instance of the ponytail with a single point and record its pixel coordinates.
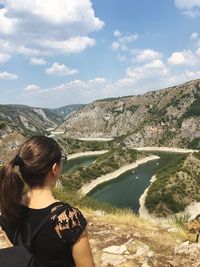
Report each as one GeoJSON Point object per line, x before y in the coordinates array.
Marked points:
{"type": "Point", "coordinates": [34, 159]}
{"type": "Point", "coordinates": [11, 191]}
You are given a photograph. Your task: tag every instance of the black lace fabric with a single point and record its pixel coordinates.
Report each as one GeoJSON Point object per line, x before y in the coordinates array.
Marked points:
{"type": "Point", "coordinates": [70, 224]}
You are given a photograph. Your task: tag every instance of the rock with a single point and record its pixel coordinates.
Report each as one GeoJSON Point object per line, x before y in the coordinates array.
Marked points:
{"type": "Point", "coordinates": [110, 259]}
{"type": "Point", "coordinates": [172, 230]}
{"type": "Point", "coordinates": [130, 241]}
{"type": "Point", "coordinates": [144, 250]}
{"type": "Point", "coordinates": [99, 213]}
{"type": "Point", "coordinates": [186, 248]}
{"type": "Point", "coordinates": [128, 236]}
{"type": "Point", "coordinates": [118, 250]}
{"type": "Point", "coordinates": [137, 235]}
{"type": "Point", "coordinates": [129, 257]}
{"type": "Point", "coordinates": [145, 264]}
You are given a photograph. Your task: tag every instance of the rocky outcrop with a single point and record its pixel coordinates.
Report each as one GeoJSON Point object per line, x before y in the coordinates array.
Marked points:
{"type": "Point", "coordinates": [176, 187]}
{"type": "Point", "coordinates": [28, 120]}
{"type": "Point", "coordinates": [25, 119]}
{"type": "Point", "coordinates": [64, 112]}
{"type": "Point", "coordinates": [125, 240]}
{"type": "Point", "coordinates": [168, 117]}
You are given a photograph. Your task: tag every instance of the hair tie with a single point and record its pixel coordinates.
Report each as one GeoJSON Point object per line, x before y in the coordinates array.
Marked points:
{"type": "Point", "coordinates": [18, 161]}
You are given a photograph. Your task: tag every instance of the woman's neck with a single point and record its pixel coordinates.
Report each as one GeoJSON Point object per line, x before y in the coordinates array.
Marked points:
{"type": "Point", "coordinates": [39, 198]}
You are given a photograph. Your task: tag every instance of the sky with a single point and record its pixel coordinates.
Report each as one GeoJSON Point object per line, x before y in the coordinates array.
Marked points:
{"type": "Point", "coordinates": [60, 52]}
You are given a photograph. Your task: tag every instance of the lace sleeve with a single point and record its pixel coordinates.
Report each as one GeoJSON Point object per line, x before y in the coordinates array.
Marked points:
{"type": "Point", "coordinates": [70, 224]}
{"type": "Point", "coordinates": [2, 222]}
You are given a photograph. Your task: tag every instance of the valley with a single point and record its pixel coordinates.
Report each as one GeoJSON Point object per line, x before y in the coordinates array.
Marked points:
{"type": "Point", "coordinates": [106, 139]}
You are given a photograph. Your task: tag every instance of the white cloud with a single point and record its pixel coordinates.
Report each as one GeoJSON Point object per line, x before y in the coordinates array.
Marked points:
{"type": "Point", "coordinates": [72, 45]}
{"type": "Point", "coordinates": [37, 28]}
{"type": "Point", "coordinates": [8, 76]}
{"type": "Point", "coordinates": [190, 8]}
{"type": "Point", "coordinates": [12, 48]}
{"type": "Point", "coordinates": [4, 57]}
{"type": "Point", "coordinates": [129, 38]}
{"type": "Point", "coordinates": [32, 89]}
{"type": "Point", "coordinates": [117, 33]}
{"type": "Point", "coordinates": [137, 80]}
{"type": "Point", "coordinates": [140, 79]}
{"type": "Point", "coordinates": [57, 12]}
{"type": "Point", "coordinates": [194, 36]}
{"type": "Point", "coordinates": [192, 13]}
{"type": "Point", "coordinates": [148, 70]}
{"type": "Point", "coordinates": [115, 45]}
{"type": "Point", "coordinates": [187, 4]}
{"type": "Point", "coordinates": [184, 77]}
{"type": "Point", "coordinates": [147, 55]}
{"type": "Point", "coordinates": [86, 87]}
{"type": "Point", "coordinates": [60, 69]}
{"type": "Point", "coordinates": [37, 61]}
{"type": "Point", "coordinates": [7, 25]}
{"type": "Point", "coordinates": [123, 41]}
{"type": "Point", "coordinates": [74, 85]}
{"type": "Point", "coordinates": [198, 52]}
{"type": "Point", "coordinates": [99, 81]}
{"type": "Point", "coordinates": [185, 57]}
{"type": "Point", "coordinates": [121, 58]}
{"type": "Point", "coordinates": [67, 93]}
{"type": "Point", "coordinates": [151, 75]}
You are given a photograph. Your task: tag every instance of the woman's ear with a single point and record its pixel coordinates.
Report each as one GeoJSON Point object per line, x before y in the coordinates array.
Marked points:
{"type": "Point", "coordinates": [55, 169]}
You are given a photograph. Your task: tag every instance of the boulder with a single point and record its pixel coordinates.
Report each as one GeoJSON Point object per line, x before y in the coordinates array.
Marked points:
{"type": "Point", "coordinates": [111, 259]}
{"type": "Point", "coordinates": [118, 250]}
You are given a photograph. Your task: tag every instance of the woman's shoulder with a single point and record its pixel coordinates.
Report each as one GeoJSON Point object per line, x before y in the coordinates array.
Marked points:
{"type": "Point", "coordinates": [70, 223]}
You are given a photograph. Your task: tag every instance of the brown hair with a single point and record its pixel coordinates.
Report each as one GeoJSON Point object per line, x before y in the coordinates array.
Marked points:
{"type": "Point", "coordinates": [35, 158]}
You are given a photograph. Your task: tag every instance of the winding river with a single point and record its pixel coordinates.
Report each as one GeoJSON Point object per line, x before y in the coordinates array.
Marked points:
{"type": "Point", "coordinates": [126, 189]}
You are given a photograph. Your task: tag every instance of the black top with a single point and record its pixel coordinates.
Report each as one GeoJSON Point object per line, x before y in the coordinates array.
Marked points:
{"type": "Point", "coordinates": [55, 239]}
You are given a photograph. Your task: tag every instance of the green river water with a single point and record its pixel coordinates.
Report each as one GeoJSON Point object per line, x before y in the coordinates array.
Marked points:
{"type": "Point", "coordinates": [126, 189]}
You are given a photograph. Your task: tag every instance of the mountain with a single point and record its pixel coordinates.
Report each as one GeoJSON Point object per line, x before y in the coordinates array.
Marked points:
{"type": "Point", "coordinates": [167, 117]}
{"type": "Point", "coordinates": [28, 120]}
{"type": "Point", "coordinates": [177, 186]}
{"type": "Point", "coordinates": [62, 112]}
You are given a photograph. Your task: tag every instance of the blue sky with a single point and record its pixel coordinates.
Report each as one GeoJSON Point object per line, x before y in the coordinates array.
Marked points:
{"type": "Point", "coordinates": [56, 53]}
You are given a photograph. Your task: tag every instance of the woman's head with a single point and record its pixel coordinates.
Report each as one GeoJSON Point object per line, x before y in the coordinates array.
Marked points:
{"type": "Point", "coordinates": [36, 158]}
{"type": "Point", "coordinates": [37, 155]}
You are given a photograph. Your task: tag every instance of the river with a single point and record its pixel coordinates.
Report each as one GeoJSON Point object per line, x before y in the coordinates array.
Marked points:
{"type": "Point", "coordinates": [126, 189]}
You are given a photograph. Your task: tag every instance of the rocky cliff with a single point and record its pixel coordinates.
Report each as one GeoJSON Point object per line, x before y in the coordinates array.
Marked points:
{"type": "Point", "coordinates": [168, 117]}
{"type": "Point", "coordinates": [25, 119]}
{"type": "Point", "coordinates": [63, 112]}
{"type": "Point", "coordinates": [124, 240]}
{"type": "Point", "coordinates": [28, 120]}
{"type": "Point", "coordinates": [177, 186]}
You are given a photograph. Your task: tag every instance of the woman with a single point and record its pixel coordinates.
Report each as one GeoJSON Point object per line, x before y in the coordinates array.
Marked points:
{"type": "Point", "coordinates": [63, 238]}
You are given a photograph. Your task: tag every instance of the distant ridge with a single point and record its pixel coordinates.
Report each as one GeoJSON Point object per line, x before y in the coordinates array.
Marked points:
{"type": "Point", "coordinates": [167, 117]}
{"type": "Point", "coordinates": [62, 112]}
{"type": "Point", "coordinates": [29, 120]}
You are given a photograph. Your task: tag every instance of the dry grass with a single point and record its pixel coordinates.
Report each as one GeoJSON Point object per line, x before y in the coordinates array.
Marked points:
{"type": "Point", "coordinates": [123, 218]}
{"type": "Point", "coordinates": [117, 229]}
